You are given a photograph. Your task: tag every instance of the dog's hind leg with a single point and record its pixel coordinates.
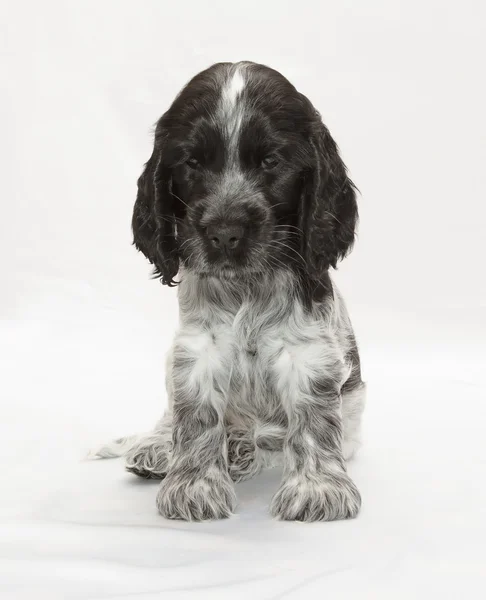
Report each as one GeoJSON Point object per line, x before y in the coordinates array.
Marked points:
{"type": "Point", "coordinates": [250, 451]}
{"type": "Point", "coordinates": [148, 456]}
{"type": "Point", "coordinates": [242, 455]}
{"type": "Point", "coordinates": [353, 403]}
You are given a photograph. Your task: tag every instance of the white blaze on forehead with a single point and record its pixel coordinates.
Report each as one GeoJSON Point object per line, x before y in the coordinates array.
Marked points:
{"type": "Point", "coordinates": [233, 88]}
{"type": "Point", "coordinates": [231, 105]}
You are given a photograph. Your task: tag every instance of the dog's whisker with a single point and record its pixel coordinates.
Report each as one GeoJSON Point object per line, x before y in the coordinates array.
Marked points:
{"type": "Point", "coordinates": [279, 243]}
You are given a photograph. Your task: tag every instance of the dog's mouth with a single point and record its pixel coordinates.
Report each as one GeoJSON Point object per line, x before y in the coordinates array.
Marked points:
{"type": "Point", "coordinates": [231, 271]}
{"type": "Point", "coordinates": [253, 261]}
{"type": "Point", "coordinates": [225, 270]}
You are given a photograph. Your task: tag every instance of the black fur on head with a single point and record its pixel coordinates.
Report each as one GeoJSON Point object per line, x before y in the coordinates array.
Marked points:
{"type": "Point", "coordinates": [244, 177]}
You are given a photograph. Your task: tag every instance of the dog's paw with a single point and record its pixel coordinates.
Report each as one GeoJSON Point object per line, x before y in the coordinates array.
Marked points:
{"type": "Point", "coordinates": [205, 496]}
{"type": "Point", "coordinates": [149, 457]}
{"type": "Point", "coordinates": [242, 464]}
{"type": "Point", "coordinates": [327, 498]}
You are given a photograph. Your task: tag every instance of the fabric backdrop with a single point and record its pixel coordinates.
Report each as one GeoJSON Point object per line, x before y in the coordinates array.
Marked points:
{"type": "Point", "coordinates": [84, 330]}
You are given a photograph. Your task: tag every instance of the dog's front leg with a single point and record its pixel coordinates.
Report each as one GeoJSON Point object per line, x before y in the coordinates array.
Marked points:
{"type": "Point", "coordinates": [315, 484]}
{"type": "Point", "coordinates": [198, 486]}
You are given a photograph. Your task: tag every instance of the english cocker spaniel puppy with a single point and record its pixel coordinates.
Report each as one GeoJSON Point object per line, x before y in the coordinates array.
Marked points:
{"type": "Point", "coordinates": [245, 203]}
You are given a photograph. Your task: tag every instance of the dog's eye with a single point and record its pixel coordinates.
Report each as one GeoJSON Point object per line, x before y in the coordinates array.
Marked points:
{"type": "Point", "coordinates": [192, 162]}
{"type": "Point", "coordinates": [269, 162]}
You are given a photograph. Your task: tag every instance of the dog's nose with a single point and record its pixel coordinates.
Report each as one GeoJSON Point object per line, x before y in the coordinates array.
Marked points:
{"type": "Point", "coordinates": [225, 237]}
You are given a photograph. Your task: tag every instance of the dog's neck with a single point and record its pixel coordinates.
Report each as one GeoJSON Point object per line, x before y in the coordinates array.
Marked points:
{"type": "Point", "coordinates": [209, 297]}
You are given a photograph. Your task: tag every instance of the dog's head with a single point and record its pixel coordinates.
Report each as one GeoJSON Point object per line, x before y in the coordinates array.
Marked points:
{"type": "Point", "coordinates": [244, 177]}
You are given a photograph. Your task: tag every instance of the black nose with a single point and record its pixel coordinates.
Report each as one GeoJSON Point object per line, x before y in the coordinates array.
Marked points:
{"type": "Point", "coordinates": [225, 237]}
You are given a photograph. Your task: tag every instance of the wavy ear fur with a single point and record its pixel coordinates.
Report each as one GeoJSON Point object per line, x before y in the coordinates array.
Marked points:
{"type": "Point", "coordinates": [153, 221]}
{"type": "Point", "coordinates": [329, 214]}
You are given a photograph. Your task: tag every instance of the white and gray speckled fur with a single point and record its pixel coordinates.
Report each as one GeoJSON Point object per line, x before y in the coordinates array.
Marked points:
{"type": "Point", "coordinates": [246, 360]}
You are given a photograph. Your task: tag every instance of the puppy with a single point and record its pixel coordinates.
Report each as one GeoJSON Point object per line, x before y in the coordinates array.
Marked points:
{"type": "Point", "coordinates": [246, 204]}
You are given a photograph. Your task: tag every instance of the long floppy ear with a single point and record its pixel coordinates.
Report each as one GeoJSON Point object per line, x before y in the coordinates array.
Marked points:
{"type": "Point", "coordinates": [329, 213]}
{"type": "Point", "coordinates": [153, 221]}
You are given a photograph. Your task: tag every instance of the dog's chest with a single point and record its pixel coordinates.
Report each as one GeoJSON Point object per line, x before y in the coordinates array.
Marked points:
{"type": "Point", "coordinates": [250, 331]}
{"type": "Point", "coordinates": [257, 336]}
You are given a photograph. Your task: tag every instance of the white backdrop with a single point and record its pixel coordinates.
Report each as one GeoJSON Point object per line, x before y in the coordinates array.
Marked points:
{"type": "Point", "coordinates": [84, 330]}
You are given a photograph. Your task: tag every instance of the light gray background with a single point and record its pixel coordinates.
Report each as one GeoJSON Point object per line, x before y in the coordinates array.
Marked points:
{"type": "Point", "coordinates": [84, 331]}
